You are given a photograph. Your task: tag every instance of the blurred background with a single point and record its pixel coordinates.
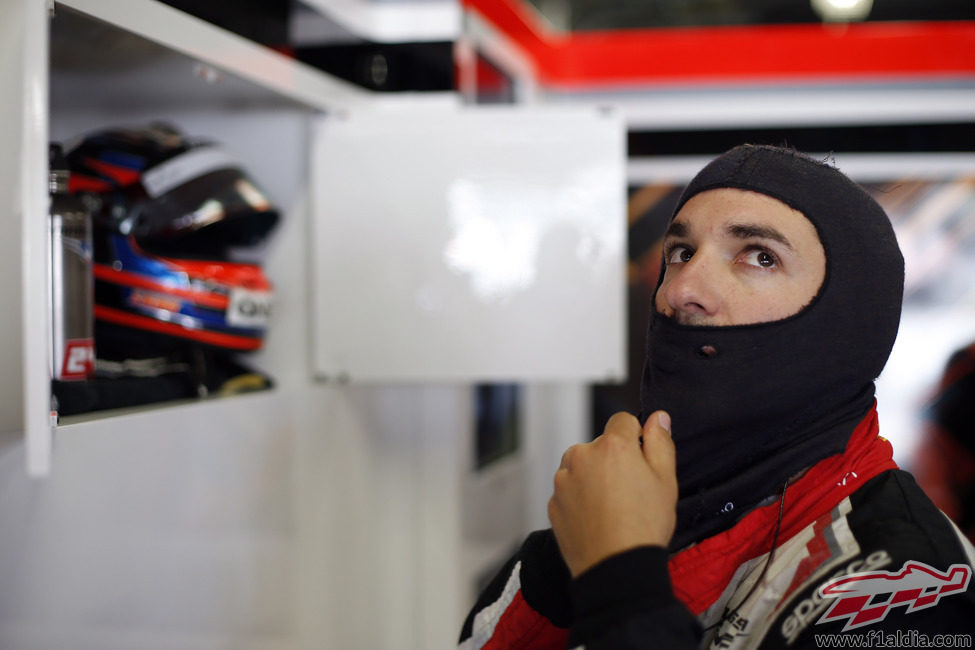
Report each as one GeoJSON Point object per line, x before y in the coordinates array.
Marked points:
{"type": "Point", "coordinates": [471, 198]}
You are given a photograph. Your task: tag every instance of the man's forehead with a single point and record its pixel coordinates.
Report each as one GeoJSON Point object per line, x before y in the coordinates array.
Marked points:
{"type": "Point", "coordinates": [742, 213]}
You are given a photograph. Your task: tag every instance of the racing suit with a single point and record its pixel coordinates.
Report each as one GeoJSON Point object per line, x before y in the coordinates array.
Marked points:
{"type": "Point", "coordinates": [852, 552]}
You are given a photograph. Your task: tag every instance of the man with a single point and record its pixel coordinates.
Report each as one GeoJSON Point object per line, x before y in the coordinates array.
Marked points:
{"type": "Point", "coordinates": [944, 462]}
{"type": "Point", "coordinates": [774, 515]}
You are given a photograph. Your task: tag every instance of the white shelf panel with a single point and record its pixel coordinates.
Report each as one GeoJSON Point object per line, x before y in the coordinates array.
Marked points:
{"type": "Point", "coordinates": [785, 106]}
{"type": "Point", "coordinates": [29, 92]}
{"type": "Point", "coordinates": [180, 32]}
{"type": "Point", "coordinates": [861, 167]}
{"type": "Point", "coordinates": [106, 60]}
{"type": "Point", "coordinates": [395, 22]}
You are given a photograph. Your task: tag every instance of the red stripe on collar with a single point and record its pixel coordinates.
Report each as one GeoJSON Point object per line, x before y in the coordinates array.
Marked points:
{"type": "Point", "coordinates": [701, 573]}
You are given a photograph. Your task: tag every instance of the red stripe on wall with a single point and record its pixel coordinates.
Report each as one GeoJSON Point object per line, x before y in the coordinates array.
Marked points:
{"type": "Point", "coordinates": [882, 50]}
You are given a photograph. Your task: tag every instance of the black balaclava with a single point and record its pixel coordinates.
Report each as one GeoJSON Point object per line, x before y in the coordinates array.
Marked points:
{"type": "Point", "coordinates": [753, 405]}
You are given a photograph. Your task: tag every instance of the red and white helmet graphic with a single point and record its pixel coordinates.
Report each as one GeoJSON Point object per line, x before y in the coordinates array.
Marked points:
{"type": "Point", "coordinates": [865, 598]}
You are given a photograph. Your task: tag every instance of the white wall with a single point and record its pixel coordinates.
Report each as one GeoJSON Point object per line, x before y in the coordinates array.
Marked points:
{"type": "Point", "coordinates": [317, 519]}
{"type": "Point", "coordinates": [321, 518]}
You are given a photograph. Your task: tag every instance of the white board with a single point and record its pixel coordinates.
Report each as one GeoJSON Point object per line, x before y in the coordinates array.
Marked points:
{"type": "Point", "coordinates": [469, 243]}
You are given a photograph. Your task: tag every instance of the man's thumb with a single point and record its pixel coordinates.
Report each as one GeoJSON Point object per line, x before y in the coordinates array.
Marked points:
{"type": "Point", "coordinates": [658, 447]}
{"type": "Point", "coordinates": [663, 420]}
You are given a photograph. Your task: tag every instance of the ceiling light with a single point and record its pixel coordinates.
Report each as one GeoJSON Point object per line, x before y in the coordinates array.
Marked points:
{"type": "Point", "coordinates": [842, 10]}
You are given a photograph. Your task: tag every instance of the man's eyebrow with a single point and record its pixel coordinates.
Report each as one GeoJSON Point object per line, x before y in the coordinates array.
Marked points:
{"type": "Point", "coordinates": [676, 229]}
{"type": "Point", "coordinates": [756, 231]}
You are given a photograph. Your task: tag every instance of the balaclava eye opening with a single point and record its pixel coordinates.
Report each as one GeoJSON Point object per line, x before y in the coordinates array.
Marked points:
{"type": "Point", "coordinates": [768, 400]}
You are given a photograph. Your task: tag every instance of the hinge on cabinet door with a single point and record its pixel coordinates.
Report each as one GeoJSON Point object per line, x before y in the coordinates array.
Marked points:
{"type": "Point", "coordinates": [53, 419]}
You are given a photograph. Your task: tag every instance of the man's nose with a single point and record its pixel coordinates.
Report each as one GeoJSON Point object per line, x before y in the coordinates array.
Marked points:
{"type": "Point", "coordinates": [693, 290]}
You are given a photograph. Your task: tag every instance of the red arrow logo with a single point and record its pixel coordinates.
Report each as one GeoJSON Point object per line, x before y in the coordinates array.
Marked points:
{"type": "Point", "coordinates": [865, 598]}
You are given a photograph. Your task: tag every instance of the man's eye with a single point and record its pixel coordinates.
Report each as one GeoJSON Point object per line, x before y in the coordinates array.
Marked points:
{"type": "Point", "coordinates": [679, 255]}
{"type": "Point", "coordinates": [762, 258]}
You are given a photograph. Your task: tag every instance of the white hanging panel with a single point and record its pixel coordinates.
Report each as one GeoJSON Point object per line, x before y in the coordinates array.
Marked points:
{"type": "Point", "coordinates": [469, 244]}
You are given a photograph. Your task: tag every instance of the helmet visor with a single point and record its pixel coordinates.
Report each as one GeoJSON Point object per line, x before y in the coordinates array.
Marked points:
{"type": "Point", "coordinates": [201, 212]}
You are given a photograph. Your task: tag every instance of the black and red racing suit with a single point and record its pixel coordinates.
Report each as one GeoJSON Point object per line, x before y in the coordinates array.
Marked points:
{"type": "Point", "coordinates": [861, 551]}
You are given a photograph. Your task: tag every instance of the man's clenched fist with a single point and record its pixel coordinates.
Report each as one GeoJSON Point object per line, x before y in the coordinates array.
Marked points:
{"type": "Point", "coordinates": [616, 492]}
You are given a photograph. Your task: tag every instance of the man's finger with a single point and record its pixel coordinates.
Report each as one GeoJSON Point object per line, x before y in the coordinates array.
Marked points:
{"type": "Point", "coordinates": [658, 446]}
{"type": "Point", "coordinates": [623, 424]}
{"type": "Point", "coordinates": [564, 463]}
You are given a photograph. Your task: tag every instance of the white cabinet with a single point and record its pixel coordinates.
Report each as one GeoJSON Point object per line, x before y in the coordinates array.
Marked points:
{"type": "Point", "coordinates": [469, 244]}
{"type": "Point", "coordinates": [24, 380]}
{"type": "Point", "coordinates": [542, 188]}
{"type": "Point", "coordinates": [87, 64]}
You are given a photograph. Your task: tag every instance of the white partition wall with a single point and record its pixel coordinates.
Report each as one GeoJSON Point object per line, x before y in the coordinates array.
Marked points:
{"type": "Point", "coordinates": [490, 247]}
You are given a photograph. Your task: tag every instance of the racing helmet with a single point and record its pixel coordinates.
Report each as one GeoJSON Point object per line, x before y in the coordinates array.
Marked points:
{"type": "Point", "coordinates": [170, 214]}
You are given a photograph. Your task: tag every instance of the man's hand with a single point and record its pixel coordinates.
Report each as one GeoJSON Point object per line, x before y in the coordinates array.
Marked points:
{"type": "Point", "coordinates": [612, 494]}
